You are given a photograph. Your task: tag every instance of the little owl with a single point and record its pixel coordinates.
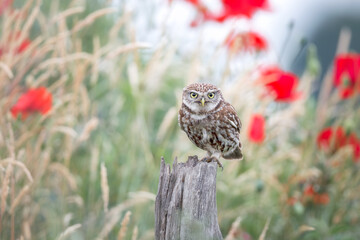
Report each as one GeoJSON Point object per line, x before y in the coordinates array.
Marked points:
{"type": "Point", "coordinates": [210, 122]}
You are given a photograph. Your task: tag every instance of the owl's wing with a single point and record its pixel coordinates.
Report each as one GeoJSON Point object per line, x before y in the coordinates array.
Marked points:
{"type": "Point", "coordinates": [232, 117]}
{"type": "Point", "coordinates": [181, 116]}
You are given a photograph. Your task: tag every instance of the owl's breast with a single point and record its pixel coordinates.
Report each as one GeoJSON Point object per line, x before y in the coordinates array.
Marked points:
{"type": "Point", "coordinates": [204, 130]}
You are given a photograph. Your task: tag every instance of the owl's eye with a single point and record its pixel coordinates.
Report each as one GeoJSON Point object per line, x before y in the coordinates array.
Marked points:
{"type": "Point", "coordinates": [193, 95]}
{"type": "Point", "coordinates": [211, 95]}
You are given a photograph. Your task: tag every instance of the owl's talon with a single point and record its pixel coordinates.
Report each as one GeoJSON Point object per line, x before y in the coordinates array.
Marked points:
{"type": "Point", "coordinates": [219, 164]}
{"type": "Point", "coordinates": [214, 159]}
{"type": "Point", "coordinates": [204, 159]}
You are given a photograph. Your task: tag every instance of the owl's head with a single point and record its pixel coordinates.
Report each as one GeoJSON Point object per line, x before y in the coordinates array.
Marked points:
{"type": "Point", "coordinates": [201, 97]}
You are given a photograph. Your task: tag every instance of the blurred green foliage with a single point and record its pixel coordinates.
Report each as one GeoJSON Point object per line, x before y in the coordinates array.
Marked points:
{"type": "Point", "coordinates": [130, 117]}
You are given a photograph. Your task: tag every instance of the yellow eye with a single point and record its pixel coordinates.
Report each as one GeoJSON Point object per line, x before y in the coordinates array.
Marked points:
{"type": "Point", "coordinates": [211, 95]}
{"type": "Point", "coordinates": [193, 95]}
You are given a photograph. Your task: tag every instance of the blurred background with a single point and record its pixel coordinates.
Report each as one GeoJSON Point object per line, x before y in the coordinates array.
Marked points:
{"type": "Point", "coordinates": [90, 91]}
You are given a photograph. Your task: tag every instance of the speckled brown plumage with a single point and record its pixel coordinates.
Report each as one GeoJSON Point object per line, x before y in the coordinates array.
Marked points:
{"type": "Point", "coordinates": [211, 125]}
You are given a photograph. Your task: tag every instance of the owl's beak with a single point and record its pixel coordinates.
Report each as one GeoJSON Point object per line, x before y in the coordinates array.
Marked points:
{"type": "Point", "coordinates": [202, 102]}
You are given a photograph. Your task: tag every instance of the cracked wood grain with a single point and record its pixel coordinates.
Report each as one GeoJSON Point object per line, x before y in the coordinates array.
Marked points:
{"type": "Point", "coordinates": [185, 206]}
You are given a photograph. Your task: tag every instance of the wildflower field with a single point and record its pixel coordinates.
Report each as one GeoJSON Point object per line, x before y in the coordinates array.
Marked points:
{"type": "Point", "coordinates": [88, 108]}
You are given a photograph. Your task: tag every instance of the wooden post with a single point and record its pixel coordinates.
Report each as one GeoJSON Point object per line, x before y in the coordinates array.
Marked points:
{"type": "Point", "coordinates": [185, 206]}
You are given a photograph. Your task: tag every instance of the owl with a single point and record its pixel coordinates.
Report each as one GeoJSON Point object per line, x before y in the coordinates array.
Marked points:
{"type": "Point", "coordinates": [210, 122]}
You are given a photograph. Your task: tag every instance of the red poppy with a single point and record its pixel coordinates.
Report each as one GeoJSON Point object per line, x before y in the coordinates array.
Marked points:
{"type": "Point", "coordinates": [195, 2]}
{"type": "Point", "coordinates": [239, 8]}
{"type": "Point", "coordinates": [230, 8]}
{"type": "Point", "coordinates": [256, 130]}
{"type": "Point", "coordinates": [20, 48]}
{"type": "Point", "coordinates": [314, 196]}
{"type": "Point", "coordinates": [23, 45]}
{"type": "Point", "coordinates": [203, 11]}
{"type": "Point", "coordinates": [331, 136]}
{"type": "Point", "coordinates": [321, 198]}
{"type": "Point", "coordinates": [245, 41]}
{"type": "Point", "coordinates": [34, 100]}
{"type": "Point", "coordinates": [291, 201]}
{"type": "Point", "coordinates": [282, 85]}
{"type": "Point", "coordinates": [355, 143]}
{"type": "Point", "coordinates": [347, 74]}
{"type": "Point", "coordinates": [4, 5]}
{"type": "Point", "coordinates": [309, 191]}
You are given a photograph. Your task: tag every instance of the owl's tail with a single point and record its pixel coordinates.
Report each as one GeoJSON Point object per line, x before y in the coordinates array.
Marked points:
{"type": "Point", "coordinates": [236, 154]}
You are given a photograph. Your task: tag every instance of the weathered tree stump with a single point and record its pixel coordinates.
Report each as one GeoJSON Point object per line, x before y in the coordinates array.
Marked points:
{"type": "Point", "coordinates": [185, 206]}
